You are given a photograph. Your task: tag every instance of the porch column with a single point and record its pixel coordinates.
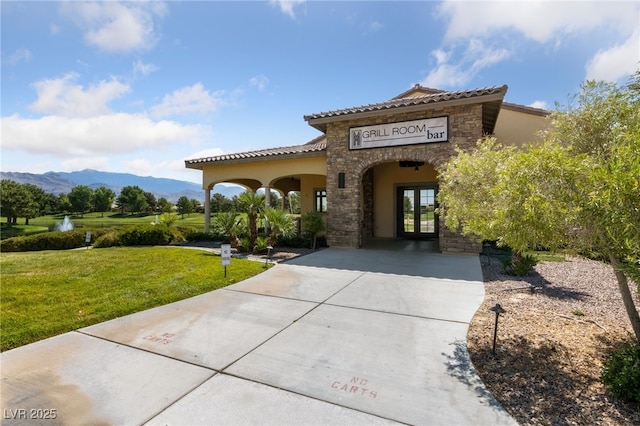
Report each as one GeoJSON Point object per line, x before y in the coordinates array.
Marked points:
{"type": "Point", "coordinates": [267, 196]}
{"type": "Point", "coordinates": [207, 209]}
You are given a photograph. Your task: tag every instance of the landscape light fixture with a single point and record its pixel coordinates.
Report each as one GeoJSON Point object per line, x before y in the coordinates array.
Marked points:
{"type": "Point", "coordinates": [498, 310]}
{"type": "Point", "coordinates": [268, 259]}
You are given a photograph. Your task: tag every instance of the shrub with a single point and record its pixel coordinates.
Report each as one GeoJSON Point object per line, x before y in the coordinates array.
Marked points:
{"type": "Point", "coordinates": [50, 240]}
{"type": "Point", "coordinates": [519, 266]}
{"type": "Point", "coordinates": [110, 239]}
{"type": "Point", "coordinates": [149, 235]}
{"type": "Point", "coordinates": [621, 372]}
{"type": "Point", "coordinates": [313, 225]}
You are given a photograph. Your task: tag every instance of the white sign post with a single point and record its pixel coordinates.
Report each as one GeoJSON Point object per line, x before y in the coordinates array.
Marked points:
{"type": "Point", "coordinates": [87, 238]}
{"type": "Point", "coordinates": [225, 253]}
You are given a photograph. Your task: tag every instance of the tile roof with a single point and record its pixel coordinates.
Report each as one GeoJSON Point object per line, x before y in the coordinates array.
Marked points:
{"type": "Point", "coordinates": [316, 145]}
{"type": "Point", "coordinates": [428, 96]}
{"type": "Point", "coordinates": [399, 102]}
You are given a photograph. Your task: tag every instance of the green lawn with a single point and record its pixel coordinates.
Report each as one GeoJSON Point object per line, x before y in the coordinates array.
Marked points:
{"type": "Point", "coordinates": [91, 220]}
{"type": "Point", "coordinates": [51, 292]}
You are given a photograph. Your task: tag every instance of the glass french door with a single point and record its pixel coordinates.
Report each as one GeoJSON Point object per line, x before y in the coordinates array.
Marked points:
{"type": "Point", "coordinates": [416, 212]}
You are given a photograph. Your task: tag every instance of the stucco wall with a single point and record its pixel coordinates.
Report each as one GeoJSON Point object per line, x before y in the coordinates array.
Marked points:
{"type": "Point", "coordinates": [307, 186]}
{"type": "Point", "coordinates": [262, 172]}
{"type": "Point", "coordinates": [518, 128]}
{"type": "Point", "coordinates": [385, 179]}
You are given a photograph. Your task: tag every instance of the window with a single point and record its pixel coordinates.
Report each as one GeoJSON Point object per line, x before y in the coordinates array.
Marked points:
{"type": "Point", "coordinates": [320, 196]}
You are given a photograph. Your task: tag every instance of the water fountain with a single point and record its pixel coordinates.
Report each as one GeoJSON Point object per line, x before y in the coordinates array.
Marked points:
{"type": "Point", "coordinates": [66, 225]}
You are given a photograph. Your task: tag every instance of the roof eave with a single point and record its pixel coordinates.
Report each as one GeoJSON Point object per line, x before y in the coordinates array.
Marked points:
{"type": "Point", "coordinates": [200, 163]}
{"type": "Point", "coordinates": [321, 122]}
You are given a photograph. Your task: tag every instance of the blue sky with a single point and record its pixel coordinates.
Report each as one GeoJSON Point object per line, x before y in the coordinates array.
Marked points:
{"type": "Point", "coordinates": [138, 87]}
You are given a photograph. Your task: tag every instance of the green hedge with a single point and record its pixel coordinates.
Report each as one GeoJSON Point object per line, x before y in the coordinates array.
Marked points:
{"type": "Point", "coordinates": [149, 235]}
{"type": "Point", "coordinates": [58, 240]}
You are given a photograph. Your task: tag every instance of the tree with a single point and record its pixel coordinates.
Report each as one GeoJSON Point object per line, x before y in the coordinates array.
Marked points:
{"type": "Point", "coordinates": [220, 203]}
{"type": "Point", "coordinates": [36, 202]}
{"type": "Point", "coordinates": [184, 205]}
{"type": "Point", "coordinates": [292, 202]}
{"type": "Point", "coordinates": [579, 190]}
{"type": "Point", "coordinates": [80, 198]}
{"type": "Point", "coordinates": [64, 206]}
{"type": "Point", "coordinates": [164, 205]}
{"type": "Point", "coordinates": [313, 225]}
{"type": "Point", "coordinates": [152, 203]}
{"type": "Point", "coordinates": [252, 204]}
{"type": "Point", "coordinates": [279, 224]}
{"type": "Point", "coordinates": [14, 200]}
{"type": "Point", "coordinates": [132, 198]}
{"type": "Point", "coordinates": [103, 199]}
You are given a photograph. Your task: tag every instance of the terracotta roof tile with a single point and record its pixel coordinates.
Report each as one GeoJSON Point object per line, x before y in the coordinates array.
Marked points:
{"type": "Point", "coordinates": [318, 144]}
{"type": "Point", "coordinates": [399, 102]}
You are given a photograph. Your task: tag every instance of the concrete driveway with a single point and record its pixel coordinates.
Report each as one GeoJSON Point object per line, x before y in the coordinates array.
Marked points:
{"type": "Point", "coordinates": [336, 337]}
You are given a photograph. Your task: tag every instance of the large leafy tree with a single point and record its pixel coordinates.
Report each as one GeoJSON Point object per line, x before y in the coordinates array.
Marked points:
{"type": "Point", "coordinates": [184, 206]}
{"type": "Point", "coordinates": [220, 203]}
{"type": "Point", "coordinates": [133, 199]}
{"type": "Point", "coordinates": [164, 205]}
{"type": "Point", "coordinates": [103, 199]}
{"type": "Point", "coordinates": [15, 200]}
{"type": "Point", "coordinates": [579, 190]}
{"type": "Point", "coordinates": [80, 198]}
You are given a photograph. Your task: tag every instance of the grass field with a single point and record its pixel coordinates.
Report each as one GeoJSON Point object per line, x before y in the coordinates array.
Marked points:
{"type": "Point", "coordinates": [52, 292]}
{"type": "Point", "coordinates": [90, 220]}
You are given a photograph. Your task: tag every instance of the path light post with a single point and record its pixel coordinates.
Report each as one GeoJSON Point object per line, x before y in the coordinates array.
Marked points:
{"type": "Point", "coordinates": [498, 310]}
{"type": "Point", "coordinates": [268, 259]}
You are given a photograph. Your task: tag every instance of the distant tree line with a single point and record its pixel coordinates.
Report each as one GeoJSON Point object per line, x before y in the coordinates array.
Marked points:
{"type": "Point", "coordinates": [29, 201]}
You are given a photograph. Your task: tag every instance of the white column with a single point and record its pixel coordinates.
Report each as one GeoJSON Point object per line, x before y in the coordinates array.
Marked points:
{"type": "Point", "coordinates": [207, 209]}
{"type": "Point", "coordinates": [267, 196]}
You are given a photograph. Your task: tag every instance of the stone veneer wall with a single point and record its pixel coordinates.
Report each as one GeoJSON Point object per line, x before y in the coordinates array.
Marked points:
{"type": "Point", "coordinates": [346, 213]}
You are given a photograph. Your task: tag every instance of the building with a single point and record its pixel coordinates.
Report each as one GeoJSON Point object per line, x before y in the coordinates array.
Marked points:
{"type": "Point", "coordinates": [373, 170]}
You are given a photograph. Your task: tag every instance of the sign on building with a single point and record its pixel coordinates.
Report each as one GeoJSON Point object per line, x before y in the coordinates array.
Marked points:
{"type": "Point", "coordinates": [429, 130]}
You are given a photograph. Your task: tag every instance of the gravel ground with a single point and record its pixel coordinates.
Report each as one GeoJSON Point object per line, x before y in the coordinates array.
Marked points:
{"type": "Point", "coordinates": [552, 343]}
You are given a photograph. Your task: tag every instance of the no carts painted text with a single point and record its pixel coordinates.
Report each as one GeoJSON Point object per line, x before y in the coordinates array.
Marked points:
{"type": "Point", "coordinates": [356, 386]}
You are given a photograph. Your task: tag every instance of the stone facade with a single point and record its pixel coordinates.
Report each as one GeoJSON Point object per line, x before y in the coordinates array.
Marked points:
{"type": "Point", "coordinates": [349, 217]}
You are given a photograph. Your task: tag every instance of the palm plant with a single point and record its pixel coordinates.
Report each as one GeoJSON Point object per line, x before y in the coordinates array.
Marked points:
{"type": "Point", "coordinates": [279, 223]}
{"type": "Point", "coordinates": [227, 224]}
{"type": "Point", "coordinates": [252, 204]}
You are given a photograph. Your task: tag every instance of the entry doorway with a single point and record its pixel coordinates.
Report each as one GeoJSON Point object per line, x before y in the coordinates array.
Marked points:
{"type": "Point", "coordinates": [416, 216]}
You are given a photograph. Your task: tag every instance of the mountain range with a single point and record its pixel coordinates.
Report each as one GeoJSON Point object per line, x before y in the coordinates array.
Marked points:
{"type": "Point", "coordinates": [171, 189]}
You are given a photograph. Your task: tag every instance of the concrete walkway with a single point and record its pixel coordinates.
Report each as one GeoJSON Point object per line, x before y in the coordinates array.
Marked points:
{"type": "Point", "coordinates": [336, 337]}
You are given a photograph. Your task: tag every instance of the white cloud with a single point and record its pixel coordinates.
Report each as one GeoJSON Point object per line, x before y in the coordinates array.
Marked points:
{"type": "Point", "coordinates": [81, 163]}
{"type": "Point", "coordinates": [205, 153]}
{"type": "Point", "coordinates": [20, 55]}
{"type": "Point", "coordinates": [470, 62]}
{"type": "Point", "coordinates": [188, 100]}
{"type": "Point", "coordinates": [103, 134]}
{"type": "Point", "coordinates": [617, 62]}
{"type": "Point", "coordinates": [287, 6]}
{"type": "Point", "coordinates": [117, 27]}
{"type": "Point", "coordinates": [140, 68]}
{"type": "Point", "coordinates": [541, 21]}
{"type": "Point", "coordinates": [60, 96]}
{"type": "Point", "coordinates": [545, 22]}
{"type": "Point", "coordinates": [538, 104]}
{"type": "Point", "coordinates": [259, 81]}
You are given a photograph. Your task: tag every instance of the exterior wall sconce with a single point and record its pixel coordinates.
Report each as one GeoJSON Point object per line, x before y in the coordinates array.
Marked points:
{"type": "Point", "coordinates": [415, 164]}
{"type": "Point", "coordinates": [341, 180]}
